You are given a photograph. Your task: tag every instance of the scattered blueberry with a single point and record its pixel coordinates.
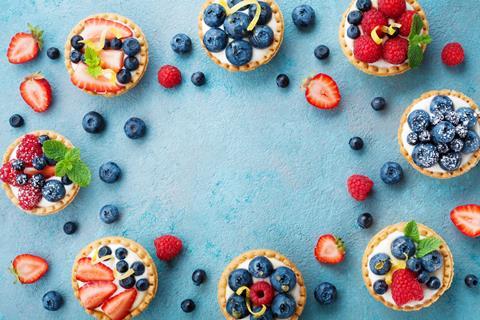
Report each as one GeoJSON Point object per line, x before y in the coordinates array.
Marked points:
{"type": "Point", "coordinates": [353, 32]}
{"type": "Point", "coordinates": [66, 181]}
{"type": "Point", "coordinates": [53, 53]}
{"type": "Point", "coordinates": [283, 81]}
{"type": "Point", "coordinates": [181, 43]}
{"type": "Point", "coordinates": [53, 191]}
{"type": "Point", "coordinates": [442, 104]}
{"type": "Point", "coordinates": [128, 282]}
{"type": "Point", "coordinates": [188, 305]}
{"type": "Point", "coordinates": [104, 251]}
{"type": "Point", "coordinates": [214, 15]}
{"type": "Point", "coordinates": [414, 264]}
{"type": "Point", "coordinates": [122, 266]}
{"type": "Point", "coordinates": [199, 276]}
{"type": "Point", "coordinates": [70, 227]}
{"type": "Point", "coordinates": [303, 16]}
{"type": "Point", "coordinates": [131, 63]}
{"type": "Point", "coordinates": [93, 122]}
{"type": "Point", "coordinates": [403, 248]}
{"type": "Point", "coordinates": [237, 306]}
{"type": "Point", "coordinates": [356, 143]}
{"type": "Point", "coordinates": [116, 44]}
{"type": "Point", "coordinates": [364, 5]}
{"type": "Point", "coordinates": [75, 42]}
{"type": "Point", "coordinates": [135, 128]}
{"type": "Point", "coordinates": [52, 301]}
{"type": "Point", "coordinates": [325, 293]}
{"type": "Point", "coordinates": [239, 52]}
{"type": "Point", "coordinates": [412, 138]}
{"type": "Point", "coordinates": [236, 24]}
{"type": "Point", "coordinates": [39, 163]}
{"type": "Point", "coordinates": [450, 161]}
{"type": "Point", "coordinates": [16, 121]}
{"type": "Point", "coordinates": [109, 172]}
{"type": "Point", "coordinates": [138, 268]}
{"type": "Point", "coordinates": [355, 17]}
{"type": "Point", "coordinates": [124, 76]}
{"type": "Point", "coordinates": [391, 173]}
{"type": "Point", "coordinates": [432, 261]}
{"type": "Point", "coordinates": [260, 267]}
{"type": "Point", "coordinates": [443, 132]}
{"type": "Point", "coordinates": [131, 46]}
{"type": "Point", "coordinates": [265, 13]}
{"type": "Point", "coordinates": [365, 220]}
{"type": "Point", "coordinates": [380, 287]}
{"type": "Point", "coordinates": [215, 40]}
{"type": "Point", "coordinates": [283, 279]}
{"type": "Point", "coordinates": [75, 56]}
{"type": "Point", "coordinates": [121, 253]}
{"type": "Point", "coordinates": [17, 165]}
{"type": "Point", "coordinates": [472, 142]}
{"type": "Point", "coordinates": [418, 120]}
{"type": "Point", "coordinates": [423, 276]}
{"type": "Point", "coordinates": [21, 179]}
{"type": "Point", "coordinates": [283, 306]}
{"type": "Point", "coordinates": [109, 214]}
{"type": "Point", "coordinates": [425, 155]}
{"type": "Point", "coordinates": [380, 264]}
{"type": "Point", "coordinates": [261, 37]}
{"type": "Point", "coordinates": [239, 278]}
{"type": "Point", "coordinates": [142, 285]}
{"type": "Point", "coordinates": [321, 52]}
{"type": "Point", "coordinates": [378, 103]}
{"type": "Point", "coordinates": [471, 281]}
{"type": "Point", "coordinates": [198, 78]}
{"type": "Point", "coordinates": [434, 283]}
{"type": "Point", "coordinates": [37, 180]}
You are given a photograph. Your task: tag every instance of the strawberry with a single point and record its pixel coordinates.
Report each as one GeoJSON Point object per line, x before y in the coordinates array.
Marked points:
{"type": "Point", "coordinates": [118, 307]}
{"type": "Point", "coordinates": [371, 19]}
{"type": "Point", "coordinates": [261, 292]}
{"type": "Point", "coordinates": [24, 46]}
{"type": "Point", "coordinates": [37, 92]}
{"type": "Point", "coordinates": [29, 197]}
{"type": "Point", "coordinates": [8, 174]}
{"type": "Point", "coordinates": [406, 21]}
{"type": "Point", "coordinates": [111, 59]}
{"type": "Point", "coordinates": [94, 293]}
{"type": "Point", "coordinates": [28, 149]}
{"type": "Point", "coordinates": [405, 287]}
{"type": "Point", "coordinates": [329, 249]}
{"type": "Point", "coordinates": [94, 27]}
{"type": "Point", "coordinates": [366, 50]}
{"type": "Point", "coordinates": [82, 79]}
{"type": "Point", "coordinates": [29, 268]}
{"type": "Point", "coordinates": [467, 219]}
{"type": "Point", "coordinates": [395, 50]}
{"type": "Point", "coordinates": [359, 186]}
{"type": "Point", "coordinates": [168, 247]}
{"type": "Point", "coordinates": [392, 8]}
{"type": "Point", "coordinates": [86, 271]}
{"type": "Point", "coordinates": [48, 172]}
{"type": "Point", "coordinates": [322, 92]}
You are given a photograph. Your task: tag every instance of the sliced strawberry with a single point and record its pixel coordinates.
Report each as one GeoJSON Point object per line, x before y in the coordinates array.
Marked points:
{"type": "Point", "coordinates": [24, 46]}
{"type": "Point", "coordinates": [322, 92]}
{"type": "Point", "coordinates": [29, 268]}
{"type": "Point", "coordinates": [87, 271]}
{"type": "Point", "coordinates": [94, 27]}
{"type": "Point", "coordinates": [94, 293]}
{"type": "Point", "coordinates": [82, 79]}
{"type": "Point", "coordinates": [329, 249]}
{"type": "Point", "coordinates": [48, 172]}
{"type": "Point", "coordinates": [37, 92]}
{"type": "Point", "coordinates": [118, 307]}
{"type": "Point", "coordinates": [112, 59]}
{"type": "Point", "coordinates": [467, 219]}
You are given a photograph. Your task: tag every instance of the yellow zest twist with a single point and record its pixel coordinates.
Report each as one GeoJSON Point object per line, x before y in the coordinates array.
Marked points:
{"type": "Point", "coordinates": [241, 5]}
{"type": "Point", "coordinates": [121, 276]}
{"type": "Point", "coordinates": [396, 265]}
{"type": "Point", "coordinates": [245, 289]}
{"type": "Point", "coordinates": [375, 36]}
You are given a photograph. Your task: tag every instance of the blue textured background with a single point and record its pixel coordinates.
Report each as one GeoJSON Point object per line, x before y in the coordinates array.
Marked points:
{"type": "Point", "coordinates": [237, 164]}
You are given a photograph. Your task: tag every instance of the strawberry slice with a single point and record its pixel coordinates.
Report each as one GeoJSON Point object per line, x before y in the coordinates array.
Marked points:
{"type": "Point", "coordinates": [94, 27]}
{"type": "Point", "coordinates": [87, 271]}
{"type": "Point", "coordinates": [111, 59]}
{"type": "Point", "coordinates": [37, 92]}
{"type": "Point", "coordinates": [29, 268]}
{"type": "Point", "coordinates": [48, 172]}
{"type": "Point", "coordinates": [82, 79]}
{"type": "Point", "coordinates": [24, 46]}
{"type": "Point", "coordinates": [467, 219]}
{"type": "Point", "coordinates": [322, 92]}
{"type": "Point", "coordinates": [118, 307]}
{"type": "Point", "coordinates": [329, 249]}
{"type": "Point", "coordinates": [94, 293]}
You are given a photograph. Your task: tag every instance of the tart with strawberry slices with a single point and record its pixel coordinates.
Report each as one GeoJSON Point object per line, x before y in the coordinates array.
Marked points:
{"type": "Point", "coordinates": [261, 284]}
{"type": "Point", "coordinates": [384, 37]}
{"type": "Point", "coordinates": [42, 172]}
{"type": "Point", "coordinates": [407, 266]}
{"type": "Point", "coordinates": [114, 278]}
{"type": "Point", "coordinates": [106, 54]}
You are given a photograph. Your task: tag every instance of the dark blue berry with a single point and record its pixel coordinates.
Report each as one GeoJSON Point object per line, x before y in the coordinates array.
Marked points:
{"type": "Point", "coordinates": [423, 276]}
{"type": "Point", "coordinates": [261, 37]}
{"type": "Point", "coordinates": [188, 305]}
{"type": "Point", "coordinates": [434, 283]}
{"type": "Point", "coordinates": [265, 13]}
{"type": "Point", "coordinates": [456, 145]}
{"type": "Point", "coordinates": [442, 148]}
{"type": "Point", "coordinates": [303, 16]}
{"type": "Point", "coordinates": [471, 281]}
{"type": "Point", "coordinates": [364, 5]}
{"type": "Point", "coordinates": [109, 214]}
{"type": "Point", "coordinates": [17, 165]}
{"type": "Point", "coordinates": [418, 120]}
{"type": "Point", "coordinates": [471, 143]}
{"type": "Point", "coordinates": [321, 52]}
{"type": "Point", "coordinates": [412, 138]}
{"type": "Point", "coordinates": [391, 173]}
{"type": "Point", "coordinates": [121, 253]}
{"type": "Point", "coordinates": [124, 76]}
{"type": "Point", "coordinates": [128, 282]}
{"type": "Point", "coordinates": [39, 163]}
{"type": "Point", "coordinates": [135, 128]}
{"type": "Point", "coordinates": [380, 264]}
{"type": "Point", "coordinates": [43, 138]}
{"type": "Point", "coordinates": [52, 301]}
{"type": "Point", "coordinates": [199, 276]}
{"type": "Point", "coordinates": [356, 143]}
{"type": "Point", "coordinates": [239, 52]}
{"type": "Point", "coordinates": [442, 104]}
{"type": "Point", "coordinates": [131, 63]}
{"type": "Point", "coordinates": [66, 181]}
{"type": "Point", "coordinates": [260, 267]}
{"type": "Point", "coordinates": [109, 172]}
{"type": "Point", "coordinates": [214, 15]}
{"type": "Point", "coordinates": [93, 122]}
{"type": "Point", "coordinates": [142, 285]}
{"type": "Point", "coordinates": [116, 44]}
{"type": "Point", "coordinates": [198, 78]}
{"type": "Point", "coordinates": [450, 161]}
{"type": "Point", "coordinates": [53, 53]}
{"type": "Point", "coordinates": [353, 32]}
{"type": "Point", "coordinates": [283, 81]}
{"type": "Point", "coordinates": [104, 251]}
{"type": "Point", "coordinates": [414, 264]}
{"type": "Point", "coordinates": [75, 42]}
{"type": "Point", "coordinates": [424, 136]}
{"type": "Point", "coordinates": [75, 56]}
{"type": "Point", "coordinates": [37, 180]}
{"type": "Point", "coordinates": [432, 261]}
{"type": "Point", "coordinates": [325, 293]}
{"type": "Point", "coordinates": [53, 190]}
{"type": "Point", "coordinates": [138, 268]}
{"type": "Point", "coordinates": [70, 227]}
{"type": "Point", "coordinates": [215, 40]}
{"type": "Point", "coordinates": [16, 121]}
{"type": "Point", "coordinates": [403, 248]}
{"type": "Point", "coordinates": [425, 155]}
{"type": "Point", "coordinates": [378, 103]}
{"type": "Point", "coordinates": [122, 266]}
{"type": "Point", "coordinates": [380, 287]}
{"type": "Point", "coordinates": [181, 43]}
{"type": "Point", "coordinates": [21, 179]}
{"type": "Point", "coordinates": [365, 220]}
{"type": "Point", "coordinates": [236, 25]}
{"type": "Point", "coordinates": [355, 17]}
{"type": "Point", "coordinates": [131, 46]}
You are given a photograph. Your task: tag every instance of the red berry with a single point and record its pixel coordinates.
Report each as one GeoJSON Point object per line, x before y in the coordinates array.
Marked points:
{"type": "Point", "coordinates": [28, 149]}
{"type": "Point", "coordinates": [8, 174]}
{"type": "Point", "coordinates": [406, 21]}
{"type": "Point", "coordinates": [29, 197]}
{"type": "Point", "coordinates": [168, 247]}
{"type": "Point", "coordinates": [453, 54]}
{"type": "Point", "coordinates": [261, 292]}
{"type": "Point", "coordinates": [359, 186]}
{"type": "Point", "coordinates": [395, 51]}
{"type": "Point", "coordinates": [169, 76]}
{"type": "Point", "coordinates": [405, 287]}
{"type": "Point", "coordinates": [392, 8]}
{"type": "Point", "coordinates": [371, 19]}
{"type": "Point", "coordinates": [366, 50]}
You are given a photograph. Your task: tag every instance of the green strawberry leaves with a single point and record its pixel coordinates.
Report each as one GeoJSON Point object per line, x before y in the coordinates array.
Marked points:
{"type": "Point", "coordinates": [425, 245]}
{"type": "Point", "coordinates": [417, 41]}
{"type": "Point", "coordinates": [92, 60]}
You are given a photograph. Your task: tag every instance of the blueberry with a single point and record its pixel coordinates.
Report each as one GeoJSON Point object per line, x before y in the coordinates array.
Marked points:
{"type": "Point", "coordinates": [121, 253]}
{"type": "Point", "coordinates": [109, 172]}
{"type": "Point", "coordinates": [443, 132]}
{"type": "Point", "coordinates": [268, 315]}
{"type": "Point", "coordinates": [39, 163]}
{"type": "Point", "coordinates": [124, 76]}
{"type": "Point", "coordinates": [239, 52]}
{"type": "Point", "coordinates": [432, 261]}
{"type": "Point", "coordinates": [188, 305]}
{"type": "Point", "coordinates": [380, 287]}
{"type": "Point", "coordinates": [53, 190]}
{"type": "Point", "coordinates": [214, 15]}
{"type": "Point", "coordinates": [261, 37]}
{"type": "Point", "coordinates": [423, 276]}
{"type": "Point", "coordinates": [131, 46]}
{"type": "Point", "coordinates": [75, 56]}
{"type": "Point", "coordinates": [365, 220]}
{"type": "Point", "coordinates": [443, 148]}
{"type": "Point", "coordinates": [283, 279]}
{"type": "Point", "coordinates": [37, 180]}
{"type": "Point", "coordinates": [321, 52]}
{"type": "Point", "coordinates": [52, 301]}
{"type": "Point", "coordinates": [424, 136]}
{"type": "Point", "coordinates": [356, 143]}
{"type": "Point", "coordinates": [472, 142]}
{"type": "Point", "coordinates": [131, 63]}
{"type": "Point", "coordinates": [138, 268]}
{"type": "Point", "coordinates": [43, 138]}
{"type": "Point", "coordinates": [353, 32]}
{"type": "Point", "coordinates": [355, 17]}
{"type": "Point", "coordinates": [66, 181]}
{"type": "Point", "coordinates": [325, 293]}
{"type": "Point", "coordinates": [142, 285]}
{"type": "Point", "coordinates": [456, 145]}
{"type": "Point", "coordinates": [53, 53]}
{"type": "Point", "coordinates": [122, 266]}
{"type": "Point", "coordinates": [450, 161]}
{"type": "Point", "coordinates": [106, 44]}
{"type": "Point", "coordinates": [260, 267]}
{"type": "Point", "coordinates": [412, 138]}
{"type": "Point", "coordinates": [391, 173]}
{"type": "Point", "coordinates": [237, 306]}
{"type": "Point", "coordinates": [75, 42]}
{"type": "Point", "coordinates": [418, 120]}
{"type": "Point", "coordinates": [198, 78]}
{"type": "Point", "coordinates": [70, 227]}
{"type": "Point", "coordinates": [364, 5]}
{"type": "Point", "coordinates": [436, 118]}
{"type": "Point", "coordinates": [303, 16]}
{"type": "Point", "coordinates": [236, 24]}
{"type": "Point", "coordinates": [109, 214]}
{"type": "Point", "coordinates": [283, 306]}
{"type": "Point", "coordinates": [283, 81]}
{"type": "Point", "coordinates": [403, 248]}
{"type": "Point", "coordinates": [181, 43]}
{"type": "Point", "coordinates": [452, 117]}
{"type": "Point", "coordinates": [378, 103]}
{"type": "Point", "coordinates": [442, 104]}
{"type": "Point", "coordinates": [215, 40]}
{"type": "Point", "coordinates": [239, 278]}
{"type": "Point", "coordinates": [414, 264]}
{"type": "Point", "coordinates": [265, 13]}
{"type": "Point", "coordinates": [199, 276]}
{"type": "Point", "coordinates": [135, 128]}
{"type": "Point", "coordinates": [21, 179]}
{"type": "Point", "coordinates": [231, 3]}
{"type": "Point", "coordinates": [93, 122]}
{"type": "Point", "coordinates": [467, 117]}
{"type": "Point", "coordinates": [434, 283]}
{"type": "Point", "coordinates": [17, 165]}
{"type": "Point", "coordinates": [128, 282]}
{"type": "Point", "coordinates": [471, 281]}
{"type": "Point", "coordinates": [16, 121]}
{"type": "Point", "coordinates": [461, 131]}
{"type": "Point", "coordinates": [380, 264]}
{"type": "Point", "coordinates": [425, 155]}
{"type": "Point", "coordinates": [104, 251]}
{"type": "Point", "coordinates": [83, 58]}
{"type": "Point", "coordinates": [116, 44]}
{"type": "Point", "coordinates": [51, 162]}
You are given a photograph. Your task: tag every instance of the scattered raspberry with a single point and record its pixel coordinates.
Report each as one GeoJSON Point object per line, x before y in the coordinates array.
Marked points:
{"type": "Point", "coordinates": [169, 76]}
{"type": "Point", "coordinates": [406, 21]}
{"type": "Point", "coordinates": [366, 50]}
{"type": "Point", "coordinates": [392, 8]}
{"type": "Point", "coordinates": [372, 19]}
{"type": "Point", "coordinates": [28, 149]}
{"type": "Point", "coordinates": [8, 174]}
{"type": "Point", "coordinates": [168, 247]}
{"type": "Point", "coordinates": [395, 51]}
{"type": "Point", "coordinates": [29, 197]}
{"type": "Point", "coordinates": [359, 186]}
{"type": "Point", "coordinates": [453, 54]}
{"type": "Point", "coordinates": [405, 287]}
{"type": "Point", "coordinates": [261, 292]}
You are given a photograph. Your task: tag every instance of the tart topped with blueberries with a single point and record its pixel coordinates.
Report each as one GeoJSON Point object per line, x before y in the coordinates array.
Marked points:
{"type": "Point", "coordinates": [241, 35]}
{"type": "Point", "coordinates": [106, 54]}
{"type": "Point", "coordinates": [261, 284]}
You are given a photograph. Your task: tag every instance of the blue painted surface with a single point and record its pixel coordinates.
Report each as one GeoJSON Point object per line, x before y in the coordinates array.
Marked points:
{"type": "Point", "coordinates": [238, 164]}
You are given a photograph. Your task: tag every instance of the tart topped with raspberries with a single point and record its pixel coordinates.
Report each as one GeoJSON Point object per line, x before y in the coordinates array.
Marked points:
{"type": "Point", "coordinates": [106, 54]}
{"type": "Point", "coordinates": [384, 37]}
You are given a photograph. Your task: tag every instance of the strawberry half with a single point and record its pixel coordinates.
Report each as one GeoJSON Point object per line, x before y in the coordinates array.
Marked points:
{"type": "Point", "coordinates": [86, 271]}
{"type": "Point", "coordinates": [82, 79]}
{"type": "Point", "coordinates": [111, 59]}
{"type": "Point", "coordinates": [329, 249]}
{"type": "Point", "coordinates": [37, 92]}
{"type": "Point", "coordinates": [322, 92]}
{"type": "Point", "coordinates": [48, 172]}
{"type": "Point", "coordinates": [467, 219]}
{"type": "Point", "coordinates": [24, 46]}
{"type": "Point", "coordinates": [94, 293]}
{"type": "Point", "coordinates": [29, 268]}
{"type": "Point", "coordinates": [94, 27]}
{"type": "Point", "coordinates": [118, 307]}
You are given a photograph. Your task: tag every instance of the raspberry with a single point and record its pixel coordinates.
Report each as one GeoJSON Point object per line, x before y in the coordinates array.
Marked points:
{"type": "Point", "coordinates": [359, 186]}
{"type": "Point", "coordinates": [372, 19]}
{"type": "Point", "coordinates": [29, 197]}
{"type": "Point", "coordinates": [8, 174]}
{"type": "Point", "coordinates": [405, 287]}
{"type": "Point", "coordinates": [406, 21]}
{"type": "Point", "coordinates": [169, 76]}
{"type": "Point", "coordinates": [168, 247]}
{"type": "Point", "coordinates": [366, 50]}
{"type": "Point", "coordinates": [453, 54]}
{"type": "Point", "coordinates": [395, 51]}
{"type": "Point", "coordinates": [392, 8]}
{"type": "Point", "coordinates": [261, 293]}
{"type": "Point", "coordinates": [28, 149]}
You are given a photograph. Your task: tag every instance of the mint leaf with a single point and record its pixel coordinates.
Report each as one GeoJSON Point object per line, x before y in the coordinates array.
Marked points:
{"type": "Point", "coordinates": [415, 56]}
{"type": "Point", "coordinates": [427, 245]}
{"type": "Point", "coordinates": [411, 231]}
{"type": "Point", "coordinates": [73, 155]}
{"type": "Point", "coordinates": [54, 149]}
{"type": "Point", "coordinates": [92, 60]}
{"type": "Point", "coordinates": [61, 168]}
{"type": "Point", "coordinates": [417, 26]}
{"type": "Point", "coordinates": [80, 173]}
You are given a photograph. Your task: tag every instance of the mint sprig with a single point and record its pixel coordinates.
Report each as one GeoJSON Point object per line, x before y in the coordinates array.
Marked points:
{"type": "Point", "coordinates": [416, 42]}
{"type": "Point", "coordinates": [411, 231]}
{"type": "Point", "coordinates": [69, 162]}
{"type": "Point", "coordinates": [92, 60]}
{"type": "Point", "coordinates": [425, 245]}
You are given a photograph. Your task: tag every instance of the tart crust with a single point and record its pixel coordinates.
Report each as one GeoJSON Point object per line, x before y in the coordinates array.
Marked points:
{"type": "Point", "coordinates": [58, 206]}
{"type": "Point", "coordinates": [424, 231]}
{"type": "Point", "coordinates": [272, 50]}
{"type": "Point", "coordinates": [137, 33]}
{"type": "Point", "coordinates": [223, 283]}
{"type": "Point", "coordinates": [440, 175]}
{"type": "Point", "coordinates": [370, 69]}
{"type": "Point", "coordinates": [140, 252]}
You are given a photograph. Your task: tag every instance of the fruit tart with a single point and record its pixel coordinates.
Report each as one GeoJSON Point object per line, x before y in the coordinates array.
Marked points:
{"type": "Point", "coordinates": [42, 172]}
{"type": "Point", "coordinates": [439, 134]}
{"type": "Point", "coordinates": [106, 54]}
{"type": "Point", "coordinates": [261, 284]}
{"type": "Point", "coordinates": [407, 266]}
{"type": "Point", "coordinates": [241, 35]}
{"type": "Point", "coordinates": [384, 37]}
{"type": "Point", "coordinates": [114, 278]}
